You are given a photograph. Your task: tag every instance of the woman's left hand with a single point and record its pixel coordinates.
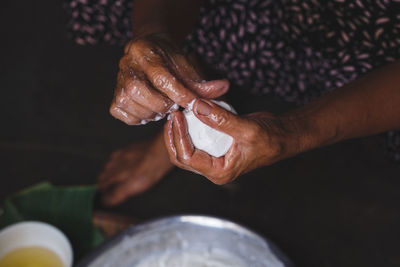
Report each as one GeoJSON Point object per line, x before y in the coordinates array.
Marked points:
{"type": "Point", "coordinates": [259, 139]}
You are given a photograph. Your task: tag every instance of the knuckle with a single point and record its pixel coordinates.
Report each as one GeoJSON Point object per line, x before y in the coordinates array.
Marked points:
{"type": "Point", "coordinates": [134, 91]}
{"type": "Point", "coordinates": [159, 80]}
{"type": "Point", "coordinates": [120, 100]}
{"type": "Point", "coordinates": [124, 62]}
{"type": "Point", "coordinates": [140, 48]}
{"type": "Point", "coordinates": [163, 107]}
{"type": "Point", "coordinates": [128, 68]}
{"type": "Point", "coordinates": [221, 119]}
{"type": "Point", "coordinates": [131, 87]}
{"type": "Point", "coordinates": [253, 132]}
{"type": "Point", "coordinates": [136, 74]}
{"type": "Point", "coordinates": [113, 110]}
{"type": "Point", "coordinates": [136, 88]}
{"type": "Point", "coordinates": [138, 45]}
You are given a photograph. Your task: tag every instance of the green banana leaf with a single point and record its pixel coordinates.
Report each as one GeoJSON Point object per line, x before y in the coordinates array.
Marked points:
{"type": "Point", "coordinates": [67, 208]}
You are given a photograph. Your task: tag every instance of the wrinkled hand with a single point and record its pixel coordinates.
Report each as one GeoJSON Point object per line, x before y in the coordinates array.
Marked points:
{"type": "Point", "coordinates": [130, 170]}
{"type": "Point", "coordinates": [153, 76]}
{"type": "Point", "coordinates": [259, 139]}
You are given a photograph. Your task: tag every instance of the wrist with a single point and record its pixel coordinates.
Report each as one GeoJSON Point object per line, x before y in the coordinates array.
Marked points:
{"type": "Point", "coordinates": [308, 128]}
{"type": "Point", "coordinates": [282, 137]}
{"type": "Point", "coordinates": [298, 137]}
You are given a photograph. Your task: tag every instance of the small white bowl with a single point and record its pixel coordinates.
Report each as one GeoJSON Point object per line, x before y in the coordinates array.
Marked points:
{"type": "Point", "coordinates": [36, 234]}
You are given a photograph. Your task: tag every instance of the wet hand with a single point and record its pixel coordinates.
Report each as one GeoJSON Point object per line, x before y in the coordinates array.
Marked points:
{"type": "Point", "coordinates": [154, 77]}
{"type": "Point", "coordinates": [259, 139]}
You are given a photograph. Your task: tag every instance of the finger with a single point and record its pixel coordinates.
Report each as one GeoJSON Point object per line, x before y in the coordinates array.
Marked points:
{"type": "Point", "coordinates": [182, 141]}
{"type": "Point", "coordinates": [112, 173]}
{"type": "Point", "coordinates": [169, 138]}
{"type": "Point", "coordinates": [170, 143]}
{"type": "Point", "coordinates": [190, 76]}
{"type": "Point", "coordinates": [220, 119]}
{"type": "Point", "coordinates": [141, 92]}
{"type": "Point", "coordinates": [164, 81]}
{"type": "Point", "coordinates": [123, 191]}
{"type": "Point", "coordinates": [188, 157]}
{"type": "Point", "coordinates": [200, 162]}
{"type": "Point", "coordinates": [186, 154]}
{"type": "Point", "coordinates": [123, 100]}
{"type": "Point", "coordinates": [124, 116]}
{"type": "Point", "coordinates": [135, 109]}
{"type": "Point", "coordinates": [211, 89]}
{"type": "Point", "coordinates": [112, 177]}
{"type": "Point", "coordinates": [231, 158]}
{"type": "Point", "coordinates": [116, 110]}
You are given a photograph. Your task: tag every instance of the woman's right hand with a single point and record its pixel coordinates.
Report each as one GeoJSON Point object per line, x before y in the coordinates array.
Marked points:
{"type": "Point", "coordinates": [130, 170]}
{"type": "Point", "coordinates": [154, 76]}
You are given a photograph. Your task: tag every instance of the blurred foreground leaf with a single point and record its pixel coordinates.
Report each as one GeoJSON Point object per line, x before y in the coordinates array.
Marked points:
{"type": "Point", "coordinates": [67, 208]}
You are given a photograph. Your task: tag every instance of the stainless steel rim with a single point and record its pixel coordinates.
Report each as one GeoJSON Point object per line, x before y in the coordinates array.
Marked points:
{"type": "Point", "coordinates": [202, 220]}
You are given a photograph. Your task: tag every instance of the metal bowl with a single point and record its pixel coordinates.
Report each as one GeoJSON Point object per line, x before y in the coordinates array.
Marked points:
{"type": "Point", "coordinates": [192, 235]}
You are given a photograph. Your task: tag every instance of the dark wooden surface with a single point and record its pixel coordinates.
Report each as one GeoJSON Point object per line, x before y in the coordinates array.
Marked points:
{"type": "Point", "coordinates": [335, 206]}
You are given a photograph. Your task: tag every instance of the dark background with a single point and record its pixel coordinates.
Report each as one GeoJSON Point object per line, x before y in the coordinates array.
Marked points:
{"type": "Point", "coordinates": [334, 206]}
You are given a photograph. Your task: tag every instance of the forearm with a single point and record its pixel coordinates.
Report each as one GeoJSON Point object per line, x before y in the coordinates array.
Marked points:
{"type": "Point", "coordinates": [174, 17]}
{"type": "Point", "coordinates": [366, 106]}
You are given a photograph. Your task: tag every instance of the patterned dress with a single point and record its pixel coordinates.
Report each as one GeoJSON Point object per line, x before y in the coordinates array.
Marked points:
{"type": "Point", "coordinates": [296, 49]}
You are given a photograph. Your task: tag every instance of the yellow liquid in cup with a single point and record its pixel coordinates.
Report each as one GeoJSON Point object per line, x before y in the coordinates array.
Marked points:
{"type": "Point", "coordinates": [31, 257]}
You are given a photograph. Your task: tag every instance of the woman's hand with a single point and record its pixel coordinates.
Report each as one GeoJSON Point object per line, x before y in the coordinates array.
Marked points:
{"type": "Point", "coordinates": [259, 139]}
{"type": "Point", "coordinates": [154, 76]}
{"type": "Point", "coordinates": [130, 170]}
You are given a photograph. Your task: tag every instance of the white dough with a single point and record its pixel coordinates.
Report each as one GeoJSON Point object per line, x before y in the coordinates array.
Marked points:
{"type": "Point", "coordinates": [206, 138]}
{"type": "Point", "coordinates": [212, 258]}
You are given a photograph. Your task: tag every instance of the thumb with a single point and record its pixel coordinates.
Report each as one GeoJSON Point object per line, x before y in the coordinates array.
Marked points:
{"type": "Point", "coordinates": [211, 89]}
{"type": "Point", "coordinates": [219, 118]}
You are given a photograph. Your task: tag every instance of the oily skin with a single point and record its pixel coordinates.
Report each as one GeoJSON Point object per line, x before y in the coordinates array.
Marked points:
{"type": "Point", "coordinates": [148, 85]}
{"type": "Point", "coordinates": [365, 106]}
{"type": "Point", "coordinates": [153, 76]}
{"type": "Point", "coordinates": [258, 140]}
{"type": "Point", "coordinates": [159, 27]}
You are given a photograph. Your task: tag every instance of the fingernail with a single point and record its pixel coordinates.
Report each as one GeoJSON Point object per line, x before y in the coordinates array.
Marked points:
{"type": "Point", "coordinates": [203, 108]}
